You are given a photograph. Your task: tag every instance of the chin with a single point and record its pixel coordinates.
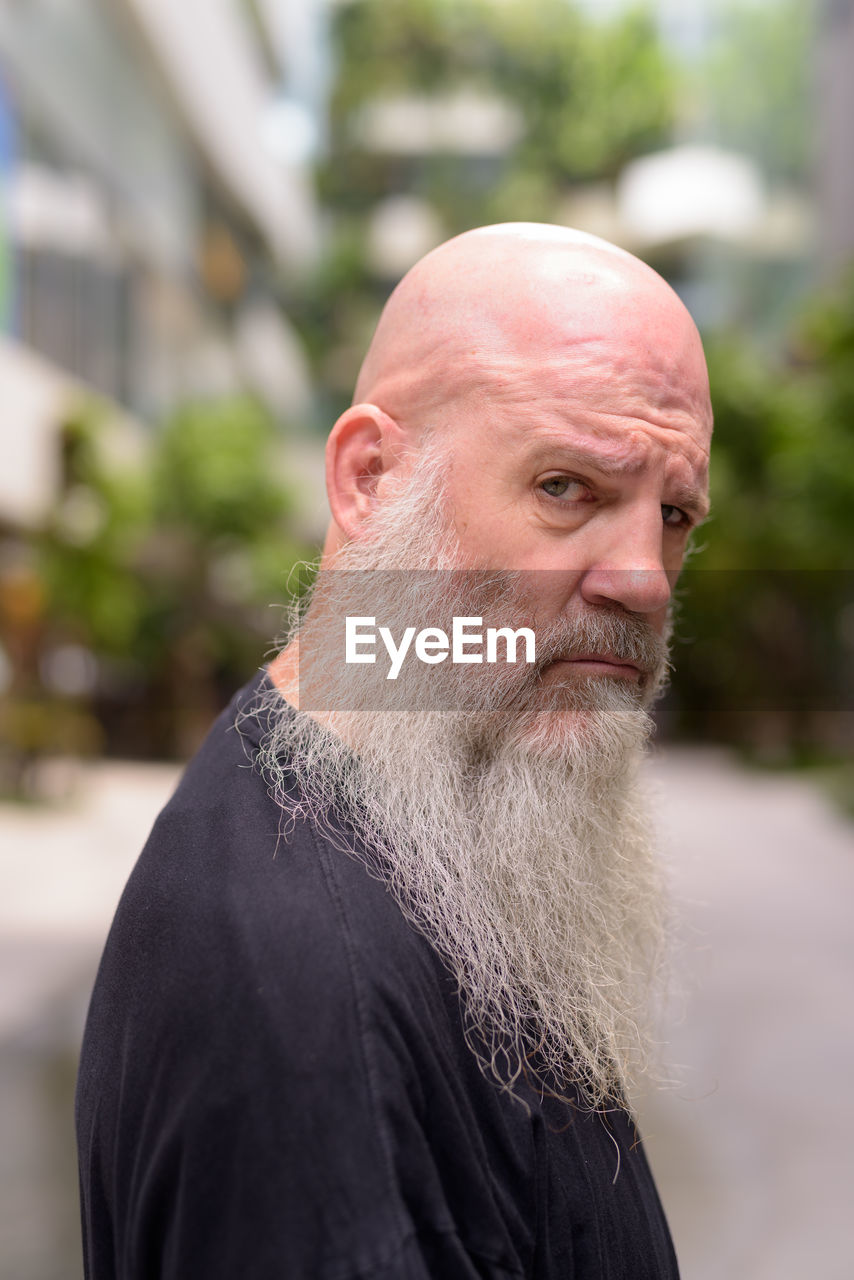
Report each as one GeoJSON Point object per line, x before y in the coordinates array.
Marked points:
{"type": "Point", "coordinates": [584, 722]}
{"type": "Point", "coordinates": [556, 733]}
{"type": "Point", "coordinates": [555, 737]}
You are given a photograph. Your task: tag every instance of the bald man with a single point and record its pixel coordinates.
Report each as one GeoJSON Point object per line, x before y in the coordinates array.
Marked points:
{"type": "Point", "coordinates": [374, 1004]}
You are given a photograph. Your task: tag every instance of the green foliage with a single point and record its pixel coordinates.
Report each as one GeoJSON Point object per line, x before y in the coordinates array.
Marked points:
{"type": "Point", "coordinates": [94, 538]}
{"type": "Point", "coordinates": [590, 95]}
{"type": "Point", "coordinates": [210, 474]}
{"type": "Point", "coordinates": [757, 83]}
{"type": "Point", "coordinates": [783, 473]}
{"type": "Point", "coordinates": [166, 568]}
{"type": "Point", "coordinates": [765, 648]}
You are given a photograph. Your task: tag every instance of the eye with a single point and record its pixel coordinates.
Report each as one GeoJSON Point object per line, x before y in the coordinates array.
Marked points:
{"type": "Point", "coordinates": [564, 487]}
{"type": "Point", "coordinates": [674, 517]}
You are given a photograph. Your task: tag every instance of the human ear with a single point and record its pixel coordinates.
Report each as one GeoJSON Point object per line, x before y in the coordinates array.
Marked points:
{"type": "Point", "coordinates": [364, 445]}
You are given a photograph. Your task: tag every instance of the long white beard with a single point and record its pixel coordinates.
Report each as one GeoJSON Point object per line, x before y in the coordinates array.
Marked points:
{"type": "Point", "coordinates": [511, 828]}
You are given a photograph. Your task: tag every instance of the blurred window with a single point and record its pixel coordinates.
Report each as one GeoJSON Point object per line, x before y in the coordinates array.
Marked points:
{"type": "Point", "coordinates": [75, 311]}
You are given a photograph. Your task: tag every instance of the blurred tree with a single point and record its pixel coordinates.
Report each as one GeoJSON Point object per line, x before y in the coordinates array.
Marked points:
{"type": "Point", "coordinates": [586, 97]}
{"type": "Point", "coordinates": [589, 95]}
{"type": "Point", "coordinates": [767, 654]}
{"type": "Point", "coordinates": [219, 556]}
{"type": "Point", "coordinates": [67, 598]}
{"type": "Point", "coordinates": [166, 571]}
{"type": "Point", "coordinates": [756, 82]}
{"type": "Point", "coordinates": [94, 536]}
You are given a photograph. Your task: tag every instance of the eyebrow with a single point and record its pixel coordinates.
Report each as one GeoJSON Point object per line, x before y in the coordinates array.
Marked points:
{"type": "Point", "coordinates": [688, 497]}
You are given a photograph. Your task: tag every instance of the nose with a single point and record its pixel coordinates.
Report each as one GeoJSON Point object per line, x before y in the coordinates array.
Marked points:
{"type": "Point", "coordinates": [629, 570]}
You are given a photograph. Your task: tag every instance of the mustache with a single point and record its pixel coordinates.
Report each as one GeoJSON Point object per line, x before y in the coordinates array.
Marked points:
{"type": "Point", "coordinates": [603, 633]}
{"type": "Point", "coordinates": [606, 630]}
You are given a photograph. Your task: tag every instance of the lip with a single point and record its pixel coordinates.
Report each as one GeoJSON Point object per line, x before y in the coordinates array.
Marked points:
{"type": "Point", "coordinates": [604, 664]}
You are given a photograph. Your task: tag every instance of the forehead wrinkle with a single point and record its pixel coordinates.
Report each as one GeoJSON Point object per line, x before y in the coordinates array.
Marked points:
{"type": "Point", "coordinates": [616, 461]}
{"type": "Point", "coordinates": [587, 367]}
{"type": "Point", "coordinates": [621, 457]}
{"type": "Point", "coordinates": [515, 381]}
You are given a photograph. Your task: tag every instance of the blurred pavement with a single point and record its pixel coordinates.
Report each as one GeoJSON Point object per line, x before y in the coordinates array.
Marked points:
{"type": "Point", "coordinates": [61, 872]}
{"type": "Point", "coordinates": [752, 1153]}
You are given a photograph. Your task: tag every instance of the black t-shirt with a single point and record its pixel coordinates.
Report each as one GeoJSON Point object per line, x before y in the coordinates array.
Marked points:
{"type": "Point", "coordinates": [275, 1083]}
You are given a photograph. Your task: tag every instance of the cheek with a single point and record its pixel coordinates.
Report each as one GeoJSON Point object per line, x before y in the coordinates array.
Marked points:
{"type": "Point", "coordinates": [484, 531]}
{"type": "Point", "coordinates": [544, 595]}
{"type": "Point", "coordinates": [480, 493]}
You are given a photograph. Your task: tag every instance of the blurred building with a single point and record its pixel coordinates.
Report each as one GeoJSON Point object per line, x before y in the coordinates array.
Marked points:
{"type": "Point", "coordinates": [155, 204]}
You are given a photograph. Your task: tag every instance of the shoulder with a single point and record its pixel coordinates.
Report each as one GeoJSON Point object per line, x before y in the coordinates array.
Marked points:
{"type": "Point", "coordinates": [263, 1033]}
{"type": "Point", "coordinates": [248, 952]}
{"type": "Point", "coordinates": [232, 908]}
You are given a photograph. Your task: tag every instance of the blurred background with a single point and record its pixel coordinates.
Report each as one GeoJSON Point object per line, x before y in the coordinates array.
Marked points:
{"type": "Point", "coordinates": [202, 209]}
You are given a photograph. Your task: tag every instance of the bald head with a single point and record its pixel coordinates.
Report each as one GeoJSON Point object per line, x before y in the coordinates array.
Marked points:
{"type": "Point", "coordinates": [542, 362]}
{"type": "Point", "coordinates": [518, 296]}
